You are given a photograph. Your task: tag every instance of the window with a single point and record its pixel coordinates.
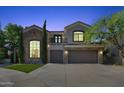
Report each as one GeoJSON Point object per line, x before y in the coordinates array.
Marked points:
{"type": "Point", "coordinates": [78, 36]}
{"type": "Point", "coordinates": [34, 49]}
{"type": "Point", "coordinates": [57, 38]}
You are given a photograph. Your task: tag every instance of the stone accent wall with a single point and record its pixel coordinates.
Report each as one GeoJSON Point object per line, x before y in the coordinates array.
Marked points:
{"type": "Point", "coordinates": [32, 34]}
{"type": "Point", "coordinates": [56, 47]}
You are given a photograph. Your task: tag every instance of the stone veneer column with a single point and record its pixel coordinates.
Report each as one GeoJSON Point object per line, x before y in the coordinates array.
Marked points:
{"type": "Point", "coordinates": [100, 56]}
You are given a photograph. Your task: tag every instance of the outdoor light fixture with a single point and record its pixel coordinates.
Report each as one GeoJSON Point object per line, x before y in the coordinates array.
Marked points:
{"type": "Point", "coordinates": [48, 46]}
{"type": "Point", "coordinates": [66, 52]}
{"type": "Point", "coordinates": [101, 52]}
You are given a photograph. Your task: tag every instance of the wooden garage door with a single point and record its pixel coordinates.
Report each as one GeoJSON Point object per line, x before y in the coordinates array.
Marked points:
{"type": "Point", "coordinates": [82, 56]}
{"type": "Point", "coordinates": [56, 56]}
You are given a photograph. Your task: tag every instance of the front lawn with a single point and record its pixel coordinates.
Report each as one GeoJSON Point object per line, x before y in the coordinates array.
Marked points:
{"type": "Point", "coordinates": [24, 67]}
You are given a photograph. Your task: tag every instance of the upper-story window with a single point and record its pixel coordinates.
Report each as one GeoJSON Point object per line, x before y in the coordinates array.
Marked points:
{"type": "Point", "coordinates": [78, 36]}
{"type": "Point", "coordinates": [57, 38]}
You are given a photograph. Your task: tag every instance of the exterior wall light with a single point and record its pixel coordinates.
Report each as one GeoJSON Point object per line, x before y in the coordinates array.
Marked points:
{"type": "Point", "coordinates": [48, 46]}
{"type": "Point", "coordinates": [66, 52]}
{"type": "Point", "coordinates": [101, 52]}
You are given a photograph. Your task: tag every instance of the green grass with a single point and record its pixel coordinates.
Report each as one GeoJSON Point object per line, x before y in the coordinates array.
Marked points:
{"type": "Point", "coordinates": [24, 67]}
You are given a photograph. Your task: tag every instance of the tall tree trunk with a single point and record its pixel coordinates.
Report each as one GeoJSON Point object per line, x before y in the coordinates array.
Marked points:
{"type": "Point", "coordinates": [21, 49]}
{"type": "Point", "coordinates": [14, 55]}
{"type": "Point", "coordinates": [17, 60]}
{"type": "Point", "coordinates": [18, 57]}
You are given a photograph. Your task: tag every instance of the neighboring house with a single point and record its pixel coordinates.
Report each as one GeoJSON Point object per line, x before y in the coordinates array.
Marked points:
{"type": "Point", "coordinates": [66, 46]}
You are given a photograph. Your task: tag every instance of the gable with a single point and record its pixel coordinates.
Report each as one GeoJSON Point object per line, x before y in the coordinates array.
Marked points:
{"type": "Point", "coordinates": [33, 27]}
{"type": "Point", "coordinates": [32, 32]}
{"type": "Point", "coordinates": [77, 25]}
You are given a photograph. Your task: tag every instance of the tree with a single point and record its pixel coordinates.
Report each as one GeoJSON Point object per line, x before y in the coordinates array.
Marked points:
{"type": "Point", "coordinates": [116, 32]}
{"type": "Point", "coordinates": [97, 33]}
{"type": "Point", "coordinates": [2, 54]}
{"type": "Point", "coordinates": [2, 39]}
{"type": "Point", "coordinates": [111, 29]}
{"type": "Point", "coordinates": [44, 44]}
{"type": "Point", "coordinates": [21, 48]}
{"type": "Point", "coordinates": [13, 35]}
{"type": "Point", "coordinates": [2, 45]}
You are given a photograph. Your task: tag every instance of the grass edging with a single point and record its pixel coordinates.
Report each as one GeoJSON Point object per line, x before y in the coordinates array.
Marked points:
{"type": "Point", "coordinates": [27, 68]}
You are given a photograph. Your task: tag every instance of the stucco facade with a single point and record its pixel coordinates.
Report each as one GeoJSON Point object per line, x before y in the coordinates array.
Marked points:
{"type": "Point", "coordinates": [62, 51]}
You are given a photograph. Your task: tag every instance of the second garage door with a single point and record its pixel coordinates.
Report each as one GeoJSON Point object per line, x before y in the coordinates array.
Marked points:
{"type": "Point", "coordinates": [56, 56]}
{"type": "Point", "coordinates": [82, 56]}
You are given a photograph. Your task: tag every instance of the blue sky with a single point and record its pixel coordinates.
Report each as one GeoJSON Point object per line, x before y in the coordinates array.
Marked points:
{"type": "Point", "coordinates": [57, 17]}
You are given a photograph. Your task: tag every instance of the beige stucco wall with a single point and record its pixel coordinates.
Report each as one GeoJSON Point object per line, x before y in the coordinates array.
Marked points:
{"type": "Point", "coordinates": [68, 32]}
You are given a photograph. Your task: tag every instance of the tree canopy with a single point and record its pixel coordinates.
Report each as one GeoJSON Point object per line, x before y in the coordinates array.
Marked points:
{"type": "Point", "coordinates": [110, 29]}
{"type": "Point", "coordinates": [12, 33]}
{"type": "Point", "coordinates": [14, 39]}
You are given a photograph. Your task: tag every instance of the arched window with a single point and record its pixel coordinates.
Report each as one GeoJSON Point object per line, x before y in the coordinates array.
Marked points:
{"type": "Point", "coordinates": [78, 36]}
{"type": "Point", "coordinates": [57, 38]}
{"type": "Point", "coordinates": [34, 49]}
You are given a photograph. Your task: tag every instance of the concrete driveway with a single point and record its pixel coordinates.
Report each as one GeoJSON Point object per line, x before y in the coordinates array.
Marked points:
{"type": "Point", "coordinates": [66, 75]}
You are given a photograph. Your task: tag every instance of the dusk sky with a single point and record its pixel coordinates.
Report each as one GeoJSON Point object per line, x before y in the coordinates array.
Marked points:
{"type": "Point", "coordinates": [57, 17]}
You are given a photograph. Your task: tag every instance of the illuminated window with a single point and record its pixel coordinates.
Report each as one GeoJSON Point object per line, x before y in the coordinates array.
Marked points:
{"type": "Point", "coordinates": [57, 38]}
{"type": "Point", "coordinates": [78, 36]}
{"type": "Point", "coordinates": [34, 49]}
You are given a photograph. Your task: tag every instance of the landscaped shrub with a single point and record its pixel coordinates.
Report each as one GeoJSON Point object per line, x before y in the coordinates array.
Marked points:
{"type": "Point", "coordinates": [111, 56]}
{"type": "Point", "coordinates": [107, 57]}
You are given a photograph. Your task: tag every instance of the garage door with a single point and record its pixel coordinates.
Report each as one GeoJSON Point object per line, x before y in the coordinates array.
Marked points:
{"type": "Point", "coordinates": [56, 56]}
{"type": "Point", "coordinates": [81, 56]}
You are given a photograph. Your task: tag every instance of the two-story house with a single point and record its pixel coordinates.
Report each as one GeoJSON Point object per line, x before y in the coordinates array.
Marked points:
{"type": "Point", "coordinates": [63, 46]}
